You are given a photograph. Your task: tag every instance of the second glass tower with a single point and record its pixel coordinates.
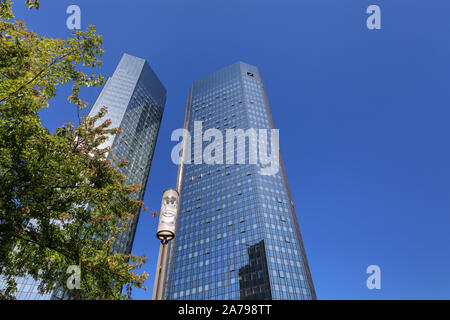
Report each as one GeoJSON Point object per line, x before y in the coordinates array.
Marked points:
{"type": "Point", "coordinates": [237, 233]}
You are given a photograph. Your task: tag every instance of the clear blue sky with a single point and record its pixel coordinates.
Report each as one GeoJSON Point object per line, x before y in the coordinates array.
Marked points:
{"type": "Point", "coordinates": [363, 118]}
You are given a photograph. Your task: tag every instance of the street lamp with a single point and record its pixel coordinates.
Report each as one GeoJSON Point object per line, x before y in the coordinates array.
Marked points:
{"type": "Point", "coordinates": [168, 220]}
{"type": "Point", "coordinates": [168, 216]}
{"type": "Point", "coordinates": [166, 232]}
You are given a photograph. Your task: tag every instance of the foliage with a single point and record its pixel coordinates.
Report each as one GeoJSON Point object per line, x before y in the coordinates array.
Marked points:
{"type": "Point", "coordinates": [62, 201]}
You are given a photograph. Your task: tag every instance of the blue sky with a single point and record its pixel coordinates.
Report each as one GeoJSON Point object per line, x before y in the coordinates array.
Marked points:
{"type": "Point", "coordinates": [363, 118]}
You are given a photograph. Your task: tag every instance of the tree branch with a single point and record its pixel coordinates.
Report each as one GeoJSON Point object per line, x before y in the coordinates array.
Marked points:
{"type": "Point", "coordinates": [36, 76]}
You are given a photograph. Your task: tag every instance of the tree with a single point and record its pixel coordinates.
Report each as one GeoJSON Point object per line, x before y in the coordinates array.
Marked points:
{"type": "Point", "coordinates": [62, 201]}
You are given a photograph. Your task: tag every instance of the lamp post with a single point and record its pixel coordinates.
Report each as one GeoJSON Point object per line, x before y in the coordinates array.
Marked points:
{"type": "Point", "coordinates": [166, 232]}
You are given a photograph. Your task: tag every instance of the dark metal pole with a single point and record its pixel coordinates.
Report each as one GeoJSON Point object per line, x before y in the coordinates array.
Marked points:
{"type": "Point", "coordinates": [161, 271]}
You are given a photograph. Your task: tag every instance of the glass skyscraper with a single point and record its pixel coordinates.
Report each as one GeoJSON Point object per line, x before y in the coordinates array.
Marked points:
{"type": "Point", "coordinates": [237, 231]}
{"type": "Point", "coordinates": [135, 98]}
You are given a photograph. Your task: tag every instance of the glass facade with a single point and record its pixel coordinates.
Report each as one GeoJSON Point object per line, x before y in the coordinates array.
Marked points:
{"type": "Point", "coordinates": [135, 99]}
{"type": "Point", "coordinates": [27, 289]}
{"type": "Point", "coordinates": [237, 232]}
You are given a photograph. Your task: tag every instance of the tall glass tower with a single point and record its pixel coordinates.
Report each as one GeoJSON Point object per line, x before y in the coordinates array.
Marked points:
{"type": "Point", "coordinates": [237, 231]}
{"type": "Point", "coordinates": [135, 98]}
